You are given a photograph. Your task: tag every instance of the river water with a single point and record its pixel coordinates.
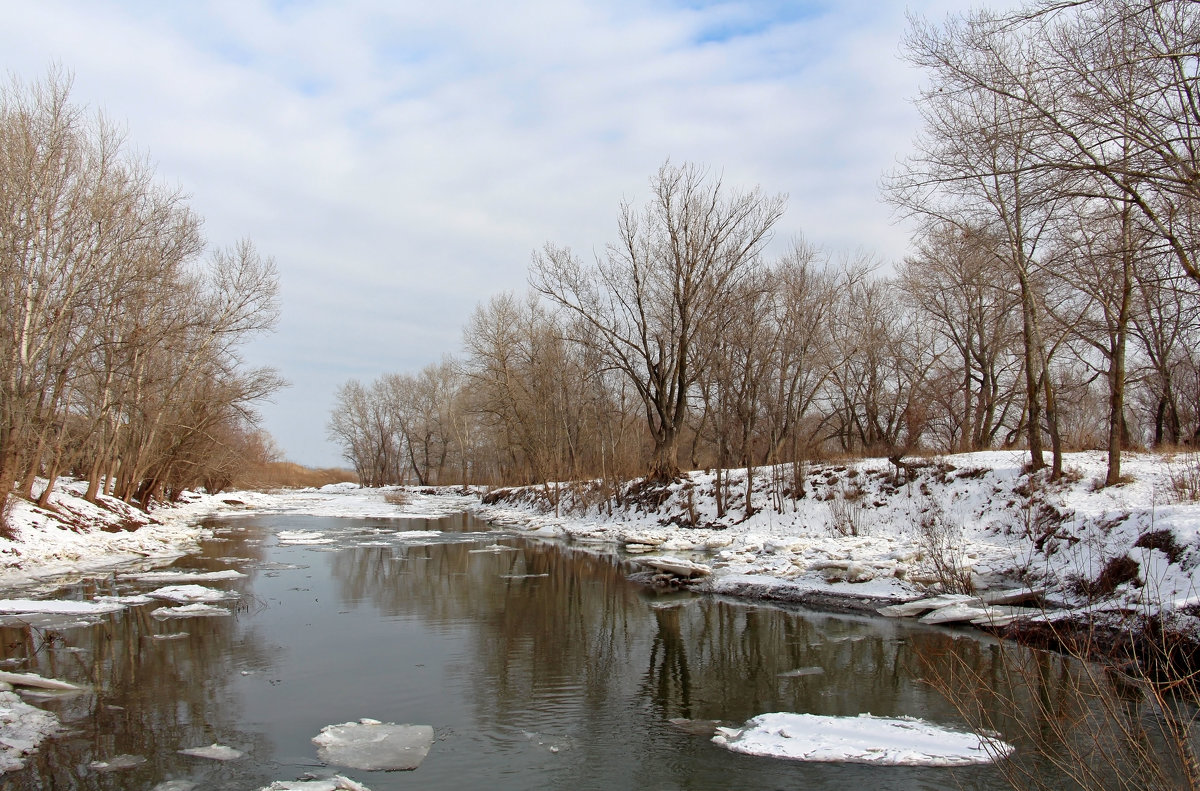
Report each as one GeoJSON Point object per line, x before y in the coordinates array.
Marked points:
{"type": "Point", "coordinates": [538, 665]}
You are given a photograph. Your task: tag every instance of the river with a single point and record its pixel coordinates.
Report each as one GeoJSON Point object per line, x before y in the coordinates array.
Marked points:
{"type": "Point", "coordinates": [538, 664]}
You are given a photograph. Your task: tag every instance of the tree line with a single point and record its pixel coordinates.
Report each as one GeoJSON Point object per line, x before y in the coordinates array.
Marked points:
{"type": "Point", "coordinates": [119, 336]}
{"type": "Point", "coordinates": [1051, 298]}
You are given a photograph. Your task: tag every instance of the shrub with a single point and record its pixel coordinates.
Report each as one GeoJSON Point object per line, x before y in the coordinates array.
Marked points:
{"type": "Point", "coordinates": [1163, 541]}
{"type": "Point", "coordinates": [940, 539]}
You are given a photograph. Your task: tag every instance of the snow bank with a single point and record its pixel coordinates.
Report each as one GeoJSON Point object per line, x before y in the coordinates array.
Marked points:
{"type": "Point", "coordinates": [77, 536]}
{"type": "Point", "coordinates": [995, 524]}
{"type": "Point", "coordinates": [865, 739]}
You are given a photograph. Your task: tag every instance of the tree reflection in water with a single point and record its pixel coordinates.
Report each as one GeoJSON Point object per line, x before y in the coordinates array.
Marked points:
{"type": "Point", "coordinates": [145, 696]}
{"type": "Point", "coordinates": [540, 666]}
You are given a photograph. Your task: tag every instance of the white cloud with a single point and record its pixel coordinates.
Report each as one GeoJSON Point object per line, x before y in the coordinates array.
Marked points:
{"type": "Point", "coordinates": [401, 160]}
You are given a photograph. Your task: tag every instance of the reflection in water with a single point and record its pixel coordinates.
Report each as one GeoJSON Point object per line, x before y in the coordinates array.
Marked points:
{"type": "Point", "coordinates": [539, 666]}
{"type": "Point", "coordinates": [145, 696]}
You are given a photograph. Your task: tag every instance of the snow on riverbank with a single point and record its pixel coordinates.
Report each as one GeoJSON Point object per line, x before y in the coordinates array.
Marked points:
{"type": "Point", "coordinates": [78, 536]}
{"type": "Point", "coordinates": [857, 533]}
{"type": "Point", "coordinates": [978, 514]}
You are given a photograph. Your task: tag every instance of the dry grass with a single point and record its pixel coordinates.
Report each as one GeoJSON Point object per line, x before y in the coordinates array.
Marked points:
{"type": "Point", "coordinates": [289, 475]}
{"type": "Point", "coordinates": [1185, 477]}
{"type": "Point", "coordinates": [1115, 707]}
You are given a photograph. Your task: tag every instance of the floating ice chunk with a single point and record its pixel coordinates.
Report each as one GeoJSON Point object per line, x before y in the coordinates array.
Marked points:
{"type": "Point", "coordinates": [217, 752]}
{"type": "Point", "coordinates": [129, 601]}
{"type": "Point", "coordinates": [909, 609]}
{"type": "Point", "coordinates": [49, 621]}
{"type": "Point", "coordinates": [898, 741]}
{"type": "Point", "coordinates": [956, 613]}
{"type": "Point", "coordinates": [186, 576]}
{"type": "Point", "coordinates": [170, 636]}
{"type": "Point", "coordinates": [410, 534]}
{"type": "Point", "coordinates": [189, 594]}
{"type": "Point", "coordinates": [175, 785]}
{"type": "Point", "coordinates": [191, 611]}
{"type": "Point", "coordinates": [523, 576]}
{"type": "Point", "coordinates": [302, 537]}
{"type": "Point", "coordinates": [493, 548]}
{"type": "Point", "coordinates": [34, 680]}
{"type": "Point", "coordinates": [677, 566]}
{"type": "Point", "coordinates": [335, 783]}
{"type": "Point", "coordinates": [22, 729]}
{"type": "Point", "coordinates": [17, 606]}
{"type": "Point", "coordinates": [372, 745]}
{"type": "Point", "coordinates": [117, 763]}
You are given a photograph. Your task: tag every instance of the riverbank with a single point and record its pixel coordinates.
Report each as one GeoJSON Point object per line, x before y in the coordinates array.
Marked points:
{"type": "Point", "coordinates": [855, 534]}
{"type": "Point", "coordinates": [864, 530]}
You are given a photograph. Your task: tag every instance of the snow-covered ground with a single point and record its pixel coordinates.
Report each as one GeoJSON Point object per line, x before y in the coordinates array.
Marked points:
{"type": "Point", "coordinates": [858, 531]}
{"type": "Point", "coordinates": [79, 536]}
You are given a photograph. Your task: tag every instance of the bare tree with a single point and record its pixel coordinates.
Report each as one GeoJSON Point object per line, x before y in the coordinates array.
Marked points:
{"type": "Point", "coordinates": [656, 291]}
{"type": "Point", "coordinates": [976, 167]}
{"type": "Point", "coordinates": [952, 280]}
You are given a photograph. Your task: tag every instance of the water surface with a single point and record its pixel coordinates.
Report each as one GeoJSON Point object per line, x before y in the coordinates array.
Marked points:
{"type": "Point", "coordinates": [538, 665]}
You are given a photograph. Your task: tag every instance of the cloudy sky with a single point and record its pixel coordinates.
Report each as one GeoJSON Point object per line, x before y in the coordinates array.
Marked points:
{"type": "Point", "coordinates": [400, 160]}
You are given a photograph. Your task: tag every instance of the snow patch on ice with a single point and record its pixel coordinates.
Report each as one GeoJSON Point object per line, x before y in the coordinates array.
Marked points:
{"type": "Point", "coordinates": [18, 606]}
{"type": "Point", "coordinates": [892, 741]}
{"type": "Point", "coordinates": [185, 576]}
{"type": "Point", "coordinates": [189, 594]}
{"type": "Point", "coordinates": [335, 783]}
{"type": "Point", "coordinates": [217, 752]}
{"type": "Point", "coordinates": [191, 611]}
{"type": "Point", "coordinates": [22, 729]}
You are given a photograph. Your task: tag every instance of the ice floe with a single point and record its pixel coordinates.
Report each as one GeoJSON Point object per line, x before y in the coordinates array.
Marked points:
{"type": "Point", "coordinates": [335, 783]}
{"type": "Point", "coordinates": [117, 763]}
{"type": "Point", "coordinates": [190, 594]}
{"type": "Point", "coordinates": [34, 680]}
{"type": "Point", "coordinates": [132, 600]}
{"type": "Point", "coordinates": [893, 741]}
{"type": "Point", "coordinates": [408, 535]}
{"type": "Point", "coordinates": [191, 611]}
{"type": "Point", "coordinates": [217, 752]}
{"type": "Point", "coordinates": [185, 576]}
{"type": "Point", "coordinates": [302, 537]}
{"type": "Point", "coordinates": [176, 785]}
{"type": "Point", "coordinates": [373, 745]}
{"type": "Point", "coordinates": [22, 729]}
{"type": "Point", "coordinates": [51, 606]}
{"type": "Point", "coordinates": [677, 566]}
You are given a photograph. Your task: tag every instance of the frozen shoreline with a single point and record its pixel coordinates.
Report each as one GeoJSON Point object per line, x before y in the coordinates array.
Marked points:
{"type": "Point", "coordinates": [1000, 528]}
